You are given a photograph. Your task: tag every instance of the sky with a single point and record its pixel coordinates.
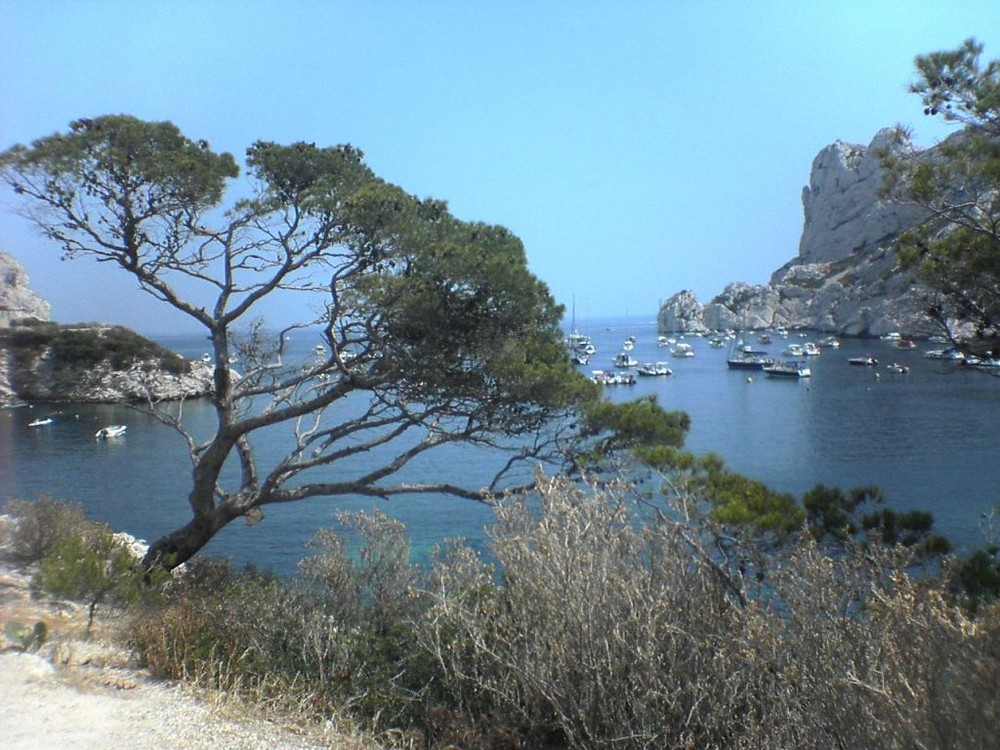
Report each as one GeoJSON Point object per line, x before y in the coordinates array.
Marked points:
{"type": "Point", "coordinates": [636, 148]}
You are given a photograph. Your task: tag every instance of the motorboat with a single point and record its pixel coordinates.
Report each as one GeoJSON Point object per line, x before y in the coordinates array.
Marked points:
{"type": "Point", "coordinates": [810, 349]}
{"type": "Point", "coordinates": [863, 361]}
{"type": "Point", "coordinates": [654, 369]}
{"type": "Point", "coordinates": [830, 342]}
{"type": "Point", "coordinates": [683, 350]}
{"type": "Point", "coordinates": [793, 370]}
{"type": "Point", "coordinates": [897, 368]}
{"type": "Point", "coordinates": [624, 360]}
{"type": "Point", "coordinates": [612, 378]}
{"type": "Point", "coordinates": [951, 353]}
{"type": "Point", "coordinates": [110, 431]}
{"type": "Point", "coordinates": [41, 422]}
{"type": "Point", "coordinates": [794, 350]}
{"type": "Point", "coordinates": [905, 344]}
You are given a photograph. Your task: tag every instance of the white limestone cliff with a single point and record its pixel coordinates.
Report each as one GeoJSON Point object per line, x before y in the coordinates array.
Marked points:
{"type": "Point", "coordinates": [845, 278]}
{"type": "Point", "coordinates": [17, 300]}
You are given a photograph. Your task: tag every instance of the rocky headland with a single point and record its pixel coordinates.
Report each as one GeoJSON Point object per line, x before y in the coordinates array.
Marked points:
{"type": "Point", "coordinates": [42, 361]}
{"type": "Point", "coordinates": [845, 279]}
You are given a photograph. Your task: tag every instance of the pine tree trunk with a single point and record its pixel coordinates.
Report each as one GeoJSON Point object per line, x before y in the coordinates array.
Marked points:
{"type": "Point", "coordinates": [181, 545]}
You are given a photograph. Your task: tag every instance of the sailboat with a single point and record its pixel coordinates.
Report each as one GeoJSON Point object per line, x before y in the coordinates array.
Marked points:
{"type": "Point", "coordinates": [579, 343]}
{"type": "Point", "coordinates": [742, 356]}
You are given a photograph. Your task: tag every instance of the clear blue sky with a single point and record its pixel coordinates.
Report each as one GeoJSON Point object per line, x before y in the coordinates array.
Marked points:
{"type": "Point", "coordinates": [637, 148]}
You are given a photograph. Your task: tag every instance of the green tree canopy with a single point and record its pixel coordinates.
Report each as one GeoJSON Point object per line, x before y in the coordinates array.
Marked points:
{"type": "Point", "coordinates": [956, 250]}
{"type": "Point", "coordinates": [433, 329]}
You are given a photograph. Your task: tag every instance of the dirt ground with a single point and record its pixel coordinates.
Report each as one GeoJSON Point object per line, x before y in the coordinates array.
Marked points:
{"type": "Point", "coordinates": [78, 692]}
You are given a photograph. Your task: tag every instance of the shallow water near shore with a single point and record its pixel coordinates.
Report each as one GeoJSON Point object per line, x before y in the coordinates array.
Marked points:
{"type": "Point", "coordinates": [930, 438]}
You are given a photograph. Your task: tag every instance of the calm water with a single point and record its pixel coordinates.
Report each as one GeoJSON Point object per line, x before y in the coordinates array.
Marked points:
{"type": "Point", "coordinates": [928, 438]}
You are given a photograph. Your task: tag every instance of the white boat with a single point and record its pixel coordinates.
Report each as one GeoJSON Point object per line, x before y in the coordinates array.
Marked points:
{"type": "Point", "coordinates": [990, 363]}
{"type": "Point", "coordinates": [830, 342]}
{"type": "Point", "coordinates": [683, 350]}
{"type": "Point", "coordinates": [624, 359]}
{"type": "Point", "coordinates": [897, 368]}
{"type": "Point", "coordinates": [41, 422]}
{"type": "Point", "coordinates": [951, 353]}
{"type": "Point", "coordinates": [110, 431]}
{"type": "Point", "coordinates": [612, 378]}
{"type": "Point", "coordinates": [653, 369]}
{"type": "Point", "coordinates": [793, 350]}
{"type": "Point", "coordinates": [810, 349]}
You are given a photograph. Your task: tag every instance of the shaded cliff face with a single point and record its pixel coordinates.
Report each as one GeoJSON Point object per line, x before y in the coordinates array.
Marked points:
{"type": "Point", "coordinates": [17, 301]}
{"type": "Point", "coordinates": [845, 278]}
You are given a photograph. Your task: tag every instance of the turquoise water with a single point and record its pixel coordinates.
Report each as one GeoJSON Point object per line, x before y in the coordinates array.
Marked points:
{"type": "Point", "coordinates": [929, 438]}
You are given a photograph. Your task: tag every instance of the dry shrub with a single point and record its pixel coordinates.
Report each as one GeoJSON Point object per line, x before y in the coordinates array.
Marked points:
{"type": "Point", "coordinates": [334, 641]}
{"type": "Point", "coordinates": [593, 630]}
{"type": "Point", "coordinates": [606, 633]}
{"type": "Point", "coordinates": [869, 655]}
{"type": "Point", "coordinates": [39, 525]}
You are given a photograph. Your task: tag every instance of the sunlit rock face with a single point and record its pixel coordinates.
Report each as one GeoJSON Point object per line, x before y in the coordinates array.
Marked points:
{"type": "Point", "coordinates": [845, 278]}
{"type": "Point", "coordinates": [141, 382]}
{"type": "Point", "coordinates": [682, 313]}
{"type": "Point", "coordinates": [842, 211]}
{"type": "Point", "coordinates": [17, 301]}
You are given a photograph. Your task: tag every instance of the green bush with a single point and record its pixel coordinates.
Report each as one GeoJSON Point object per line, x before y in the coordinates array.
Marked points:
{"type": "Point", "coordinates": [73, 347]}
{"type": "Point", "coordinates": [27, 637]}
{"type": "Point", "coordinates": [94, 568]}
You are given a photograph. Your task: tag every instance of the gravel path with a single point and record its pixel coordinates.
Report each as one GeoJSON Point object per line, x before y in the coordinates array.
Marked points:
{"type": "Point", "coordinates": [44, 709]}
{"type": "Point", "coordinates": [94, 701]}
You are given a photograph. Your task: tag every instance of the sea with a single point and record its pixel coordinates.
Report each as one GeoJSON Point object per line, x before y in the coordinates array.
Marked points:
{"type": "Point", "coordinates": [928, 437]}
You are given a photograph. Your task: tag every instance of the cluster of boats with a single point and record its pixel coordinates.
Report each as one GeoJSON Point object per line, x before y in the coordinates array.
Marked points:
{"type": "Point", "coordinates": [105, 433]}
{"type": "Point", "coordinates": [581, 348]}
{"type": "Point", "coordinates": [791, 363]}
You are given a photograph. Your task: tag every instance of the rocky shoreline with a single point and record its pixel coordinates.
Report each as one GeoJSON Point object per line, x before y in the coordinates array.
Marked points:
{"type": "Point", "coordinates": [141, 382]}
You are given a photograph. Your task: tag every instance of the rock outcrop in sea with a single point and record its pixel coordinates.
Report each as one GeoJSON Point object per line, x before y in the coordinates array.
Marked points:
{"type": "Point", "coordinates": [845, 279]}
{"type": "Point", "coordinates": [86, 363]}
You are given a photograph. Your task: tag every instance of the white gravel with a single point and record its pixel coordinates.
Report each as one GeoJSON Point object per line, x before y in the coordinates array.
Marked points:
{"type": "Point", "coordinates": [43, 709]}
{"type": "Point", "coordinates": [83, 694]}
